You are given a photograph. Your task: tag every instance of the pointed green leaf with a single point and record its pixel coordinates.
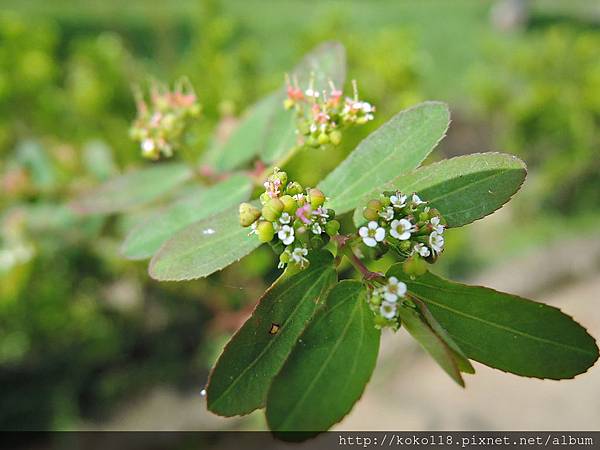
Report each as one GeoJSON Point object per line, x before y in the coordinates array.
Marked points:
{"type": "Point", "coordinates": [396, 147]}
{"type": "Point", "coordinates": [241, 378]}
{"type": "Point", "coordinates": [505, 331]}
{"type": "Point", "coordinates": [280, 137]}
{"type": "Point", "coordinates": [414, 322]}
{"type": "Point", "coordinates": [203, 248]}
{"type": "Point", "coordinates": [133, 189]}
{"type": "Point", "coordinates": [464, 189]}
{"type": "Point", "coordinates": [146, 238]}
{"type": "Point", "coordinates": [328, 370]}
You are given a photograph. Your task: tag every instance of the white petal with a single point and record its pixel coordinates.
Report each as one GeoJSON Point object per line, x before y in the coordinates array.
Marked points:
{"type": "Point", "coordinates": [390, 297]}
{"type": "Point", "coordinates": [373, 225]}
{"type": "Point", "coordinates": [401, 289]}
{"type": "Point", "coordinates": [380, 234]}
{"type": "Point", "coordinates": [363, 232]}
{"type": "Point", "coordinates": [369, 241]}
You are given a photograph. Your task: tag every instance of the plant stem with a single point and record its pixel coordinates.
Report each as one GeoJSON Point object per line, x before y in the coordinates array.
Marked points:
{"type": "Point", "coordinates": [342, 241]}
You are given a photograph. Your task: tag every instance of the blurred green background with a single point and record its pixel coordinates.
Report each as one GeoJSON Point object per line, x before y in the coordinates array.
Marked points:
{"type": "Point", "coordinates": [85, 334]}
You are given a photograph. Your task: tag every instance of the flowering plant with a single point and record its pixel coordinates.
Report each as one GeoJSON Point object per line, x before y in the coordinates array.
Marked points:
{"type": "Point", "coordinates": [310, 346]}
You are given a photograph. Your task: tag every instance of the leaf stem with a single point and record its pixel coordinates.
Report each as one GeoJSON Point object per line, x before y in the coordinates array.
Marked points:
{"type": "Point", "coordinates": [342, 242]}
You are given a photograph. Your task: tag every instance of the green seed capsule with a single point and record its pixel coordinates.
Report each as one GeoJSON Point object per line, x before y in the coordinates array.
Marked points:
{"type": "Point", "coordinates": [248, 214]}
{"type": "Point", "coordinates": [414, 266]}
{"type": "Point", "coordinates": [281, 176]}
{"type": "Point", "coordinates": [323, 139]}
{"type": "Point", "coordinates": [289, 204]}
{"type": "Point", "coordinates": [370, 214]}
{"type": "Point", "coordinates": [335, 137]}
{"type": "Point", "coordinates": [265, 231]}
{"type": "Point", "coordinates": [332, 227]}
{"type": "Point", "coordinates": [294, 188]}
{"type": "Point", "coordinates": [317, 198]}
{"type": "Point", "coordinates": [264, 198]}
{"type": "Point", "coordinates": [272, 209]}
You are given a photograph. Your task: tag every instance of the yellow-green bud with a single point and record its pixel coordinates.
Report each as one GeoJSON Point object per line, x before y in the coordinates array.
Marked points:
{"type": "Point", "coordinates": [312, 142]}
{"type": "Point", "coordinates": [423, 216]}
{"type": "Point", "coordinates": [317, 198]}
{"type": "Point", "coordinates": [375, 300]}
{"type": "Point", "coordinates": [294, 188]}
{"type": "Point", "coordinates": [335, 137]}
{"type": "Point", "coordinates": [323, 139]}
{"type": "Point", "coordinates": [284, 257]}
{"type": "Point", "coordinates": [404, 246]}
{"type": "Point", "coordinates": [248, 214]}
{"type": "Point", "coordinates": [289, 204]}
{"type": "Point", "coordinates": [288, 103]}
{"type": "Point", "coordinates": [279, 175]}
{"type": "Point", "coordinates": [380, 321]}
{"type": "Point", "coordinates": [265, 231]}
{"type": "Point", "coordinates": [332, 227]}
{"type": "Point", "coordinates": [272, 209]}
{"type": "Point", "coordinates": [414, 266]}
{"type": "Point", "coordinates": [264, 198]}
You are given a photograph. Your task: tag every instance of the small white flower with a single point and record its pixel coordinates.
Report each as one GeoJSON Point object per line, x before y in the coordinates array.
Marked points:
{"type": "Point", "coordinates": [299, 256]}
{"type": "Point", "coordinates": [436, 224]}
{"type": "Point", "coordinates": [417, 200]}
{"type": "Point", "coordinates": [148, 146]}
{"type": "Point", "coordinates": [316, 228]}
{"type": "Point", "coordinates": [367, 107]}
{"type": "Point", "coordinates": [313, 128]}
{"type": "Point", "coordinates": [422, 250]}
{"type": "Point", "coordinates": [253, 228]}
{"type": "Point", "coordinates": [436, 242]}
{"type": "Point", "coordinates": [398, 200]}
{"type": "Point", "coordinates": [401, 229]}
{"type": "Point", "coordinates": [321, 212]}
{"type": "Point", "coordinates": [387, 214]}
{"type": "Point", "coordinates": [393, 289]}
{"type": "Point", "coordinates": [286, 234]}
{"type": "Point", "coordinates": [312, 93]}
{"type": "Point", "coordinates": [388, 310]}
{"type": "Point", "coordinates": [372, 234]}
{"type": "Point", "coordinates": [285, 218]}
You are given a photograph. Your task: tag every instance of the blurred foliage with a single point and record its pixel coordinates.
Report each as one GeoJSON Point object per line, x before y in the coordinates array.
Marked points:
{"type": "Point", "coordinates": [542, 94]}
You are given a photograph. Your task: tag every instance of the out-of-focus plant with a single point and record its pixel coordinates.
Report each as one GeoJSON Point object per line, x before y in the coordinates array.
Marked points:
{"type": "Point", "coordinates": [543, 94]}
{"type": "Point", "coordinates": [310, 346]}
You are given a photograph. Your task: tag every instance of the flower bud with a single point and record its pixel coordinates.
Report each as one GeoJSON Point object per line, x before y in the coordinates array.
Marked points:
{"type": "Point", "coordinates": [284, 258]}
{"type": "Point", "coordinates": [335, 137]}
{"type": "Point", "coordinates": [248, 214]}
{"type": "Point", "coordinates": [294, 188]}
{"type": "Point", "coordinates": [265, 231]}
{"type": "Point", "coordinates": [317, 198]}
{"type": "Point", "coordinates": [288, 103]}
{"type": "Point", "coordinates": [332, 227]}
{"type": "Point", "coordinates": [279, 175]}
{"type": "Point", "coordinates": [404, 246]}
{"type": "Point", "coordinates": [272, 209]}
{"type": "Point", "coordinates": [264, 198]}
{"type": "Point", "coordinates": [414, 266]}
{"type": "Point", "coordinates": [323, 139]}
{"type": "Point", "coordinates": [289, 204]}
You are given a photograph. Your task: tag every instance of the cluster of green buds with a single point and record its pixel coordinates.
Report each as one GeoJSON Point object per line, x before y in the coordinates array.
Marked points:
{"type": "Point", "coordinates": [163, 118]}
{"type": "Point", "coordinates": [292, 219]}
{"type": "Point", "coordinates": [323, 115]}
{"type": "Point", "coordinates": [408, 225]}
{"type": "Point", "coordinates": [385, 299]}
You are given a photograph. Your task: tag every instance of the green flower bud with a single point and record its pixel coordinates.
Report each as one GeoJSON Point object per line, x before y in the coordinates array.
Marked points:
{"type": "Point", "coordinates": [380, 321]}
{"type": "Point", "coordinates": [289, 204]}
{"type": "Point", "coordinates": [317, 198]}
{"type": "Point", "coordinates": [331, 214]}
{"type": "Point", "coordinates": [264, 198]}
{"type": "Point", "coordinates": [375, 300]}
{"type": "Point", "coordinates": [288, 103]}
{"type": "Point", "coordinates": [374, 204]}
{"type": "Point", "coordinates": [272, 209]}
{"type": "Point", "coordinates": [362, 120]}
{"type": "Point", "coordinates": [404, 246]}
{"type": "Point", "coordinates": [323, 139]}
{"type": "Point", "coordinates": [423, 216]}
{"type": "Point", "coordinates": [279, 175]}
{"type": "Point", "coordinates": [265, 231]}
{"type": "Point", "coordinates": [248, 214]}
{"type": "Point", "coordinates": [385, 200]}
{"type": "Point", "coordinates": [414, 266]}
{"type": "Point", "coordinates": [332, 227]}
{"type": "Point", "coordinates": [284, 257]}
{"type": "Point", "coordinates": [312, 142]}
{"type": "Point", "coordinates": [294, 188]}
{"type": "Point", "coordinates": [335, 137]}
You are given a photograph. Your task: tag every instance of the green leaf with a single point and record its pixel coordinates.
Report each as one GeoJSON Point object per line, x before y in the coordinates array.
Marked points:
{"type": "Point", "coordinates": [416, 324]}
{"type": "Point", "coordinates": [396, 147]}
{"type": "Point", "coordinates": [133, 189]}
{"type": "Point", "coordinates": [327, 371]}
{"type": "Point", "coordinates": [268, 130]}
{"type": "Point", "coordinates": [203, 248]}
{"type": "Point", "coordinates": [504, 331]}
{"type": "Point", "coordinates": [146, 238]}
{"type": "Point", "coordinates": [241, 378]}
{"type": "Point", "coordinates": [463, 189]}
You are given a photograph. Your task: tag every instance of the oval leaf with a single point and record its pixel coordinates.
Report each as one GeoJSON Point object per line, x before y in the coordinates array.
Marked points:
{"type": "Point", "coordinates": [133, 189]}
{"type": "Point", "coordinates": [463, 189]}
{"type": "Point", "coordinates": [146, 238]}
{"type": "Point", "coordinates": [505, 331]}
{"type": "Point", "coordinates": [396, 147]}
{"type": "Point", "coordinates": [241, 378]}
{"type": "Point", "coordinates": [203, 248]}
{"type": "Point", "coordinates": [328, 370]}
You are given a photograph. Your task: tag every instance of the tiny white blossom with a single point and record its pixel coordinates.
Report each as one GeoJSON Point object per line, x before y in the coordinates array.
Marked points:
{"type": "Point", "coordinates": [286, 234]}
{"type": "Point", "coordinates": [148, 146]}
{"type": "Point", "coordinates": [313, 128]}
{"type": "Point", "coordinates": [436, 242]}
{"type": "Point", "coordinates": [253, 228]}
{"type": "Point", "coordinates": [393, 289]}
{"type": "Point", "coordinates": [422, 250]}
{"type": "Point", "coordinates": [372, 234]}
{"type": "Point", "coordinates": [367, 107]}
{"type": "Point", "coordinates": [387, 214]}
{"type": "Point", "coordinates": [417, 200]}
{"type": "Point", "coordinates": [299, 256]}
{"type": "Point", "coordinates": [398, 200]}
{"type": "Point", "coordinates": [285, 218]}
{"type": "Point", "coordinates": [312, 93]}
{"type": "Point", "coordinates": [321, 212]}
{"type": "Point", "coordinates": [388, 310]}
{"type": "Point", "coordinates": [401, 229]}
{"type": "Point", "coordinates": [316, 228]}
{"type": "Point", "coordinates": [436, 224]}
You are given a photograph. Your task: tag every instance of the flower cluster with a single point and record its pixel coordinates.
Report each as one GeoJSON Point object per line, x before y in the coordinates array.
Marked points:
{"type": "Point", "coordinates": [323, 115]}
{"type": "Point", "coordinates": [161, 123]}
{"type": "Point", "coordinates": [408, 225]}
{"type": "Point", "coordinates": [384, 302]}
{"type": "Point", "coordinates": [292, 219]}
